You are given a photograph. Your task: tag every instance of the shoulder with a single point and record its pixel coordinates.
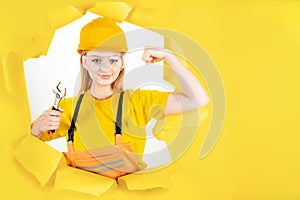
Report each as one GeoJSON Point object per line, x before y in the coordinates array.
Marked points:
{"type": "Point", "coordinates": [135, 94]}
{"type": "Point", "coordinates": [142, 95]}
{"type": "Point", "coordinates": [68, 104]}
{"type": "Point", "coordinates": [67, 101]}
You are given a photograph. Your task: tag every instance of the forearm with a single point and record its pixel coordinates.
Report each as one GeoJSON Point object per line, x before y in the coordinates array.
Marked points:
{"type": "Point", "coordinates": [35, 130]}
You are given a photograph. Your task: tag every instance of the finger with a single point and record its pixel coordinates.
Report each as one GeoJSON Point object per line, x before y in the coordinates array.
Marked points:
{"type": "Point", "coordinates": [52, 123]}
{"type": "Point", "coordinates": [61, 110]}
{"type": "Point", "coordinates": [156, 59]}
{"type": "Point", "coordinates": [52, 113]}
{"type": "Point", "coordinates": [47, 113]}
{"type": "Point", "coordinates": [55, 113]}
{"type": "Point", "coordinates": [54, 119]}
{"type": "Point", "coordinates": [46, 121]}
{"type": "Point", "coordinates": [52, 127]}
{"type": "Point", "coordinates": [147, 56]}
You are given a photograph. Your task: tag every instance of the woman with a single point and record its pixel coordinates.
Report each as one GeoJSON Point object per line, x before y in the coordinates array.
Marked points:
{"type": "Point", "coordinates": [102, 70]}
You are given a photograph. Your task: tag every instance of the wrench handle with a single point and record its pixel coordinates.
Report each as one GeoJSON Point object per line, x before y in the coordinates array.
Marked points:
{"type": "Point", "coordinates": [53, 108]}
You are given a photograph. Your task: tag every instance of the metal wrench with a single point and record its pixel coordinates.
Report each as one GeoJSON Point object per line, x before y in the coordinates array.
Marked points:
{"type": "Point", "coordinates": [60, 93]}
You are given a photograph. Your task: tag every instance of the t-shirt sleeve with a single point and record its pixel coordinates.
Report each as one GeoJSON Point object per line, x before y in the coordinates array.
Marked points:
{"type": "Point", "coordinates": [152, 102]}
{"type": "Point", "coordinates": [66, 105]}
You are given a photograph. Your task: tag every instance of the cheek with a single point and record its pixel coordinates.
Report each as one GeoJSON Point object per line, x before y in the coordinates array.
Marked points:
{"type": "Point", "coordinates": [90, 69]}
{"type": "Point", "coordinates": [116, 71]}
{"type": "Point", "coordinates": [91, 72]}
{"type": "Point", "coordinates": [116, 74]}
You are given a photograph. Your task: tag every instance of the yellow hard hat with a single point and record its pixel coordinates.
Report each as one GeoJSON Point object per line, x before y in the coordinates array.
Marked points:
{"type": "Point", "coordinates": [102, 34]}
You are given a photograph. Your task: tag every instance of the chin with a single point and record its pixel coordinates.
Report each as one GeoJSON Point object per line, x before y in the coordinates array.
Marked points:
{"type": "Point", "coordinates": [105, 82]}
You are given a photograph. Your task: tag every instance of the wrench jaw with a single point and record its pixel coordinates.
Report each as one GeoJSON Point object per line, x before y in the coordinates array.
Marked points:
{"type": "Point", "coordinates": [60, 93]}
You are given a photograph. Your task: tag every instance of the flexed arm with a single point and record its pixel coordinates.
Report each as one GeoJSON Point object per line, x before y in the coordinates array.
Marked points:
{"type": "Point", "coordinates": [192, 95]}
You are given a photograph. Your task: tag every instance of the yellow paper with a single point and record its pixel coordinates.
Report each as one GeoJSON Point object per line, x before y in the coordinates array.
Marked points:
{"type": "Point", "coordinates": [14, 91]}
{"type": "Point", "coordinates": [38, 158]}
{"type": "Point", "coordinates": [117, 11]}
{"type": "Point", "coordinates": [69, 178]}
{"type": "Point", "coordinates": [142, 16]}
{"type": "Point", "coordinates": [144, 180]}
{"type": "Point", "coordinates": [61, 15]}
{"type": "Point", "coordinates": [13, 74]}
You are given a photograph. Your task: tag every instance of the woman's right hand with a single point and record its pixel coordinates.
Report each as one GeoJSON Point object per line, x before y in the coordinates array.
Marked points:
{"type": "Point", "coordinates": [49, 120]}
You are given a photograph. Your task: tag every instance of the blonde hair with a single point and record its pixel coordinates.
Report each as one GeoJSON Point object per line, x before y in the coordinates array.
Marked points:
{"type": "Point", "coordinates": [86, 80]}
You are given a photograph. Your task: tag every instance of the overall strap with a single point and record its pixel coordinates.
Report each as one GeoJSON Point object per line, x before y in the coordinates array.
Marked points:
{"type": "Point", "coordinates": [73, 127]}
{"type": "Point", "coordinates": [118, 123]}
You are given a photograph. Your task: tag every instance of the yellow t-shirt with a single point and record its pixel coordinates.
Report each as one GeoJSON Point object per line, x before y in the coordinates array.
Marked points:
{"type": "Point", "coordinates": [95, 125]}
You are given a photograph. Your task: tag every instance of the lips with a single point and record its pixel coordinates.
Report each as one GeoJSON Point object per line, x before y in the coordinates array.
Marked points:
{"type": "Point", "coordinates": [105, 76]}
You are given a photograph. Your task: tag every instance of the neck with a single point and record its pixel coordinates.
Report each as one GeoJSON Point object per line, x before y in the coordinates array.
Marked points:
{"type": "Point", "coordinates": [101, 92]}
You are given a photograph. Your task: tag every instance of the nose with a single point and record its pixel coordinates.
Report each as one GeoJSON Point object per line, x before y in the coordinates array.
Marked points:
{"type": "Point", "coordinates": [105, 66]}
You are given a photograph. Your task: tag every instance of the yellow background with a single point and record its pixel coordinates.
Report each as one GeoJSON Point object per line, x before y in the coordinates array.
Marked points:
{"type": "Point", "coordinates": [255, 45]}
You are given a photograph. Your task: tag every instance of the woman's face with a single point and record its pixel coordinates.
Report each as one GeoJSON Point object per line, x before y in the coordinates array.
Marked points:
{"type": "Point", "coordinates": [103, 66]}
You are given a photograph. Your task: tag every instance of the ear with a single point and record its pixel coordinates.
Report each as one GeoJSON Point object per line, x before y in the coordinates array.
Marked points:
{"type": "Point", "coordinates": [123, 59]}
{"type": "Point", "coordinates": [83, 63]}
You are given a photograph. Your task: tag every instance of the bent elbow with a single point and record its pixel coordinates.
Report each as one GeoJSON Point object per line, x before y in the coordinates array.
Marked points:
{"type": "Point", "coordinates": [204, 101]}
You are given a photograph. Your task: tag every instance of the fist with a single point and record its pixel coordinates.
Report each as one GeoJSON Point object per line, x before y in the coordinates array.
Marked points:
{"type": "Point", "coordinates": [49, 120]}
{"type": "Point", "coordinates": [153, 54]}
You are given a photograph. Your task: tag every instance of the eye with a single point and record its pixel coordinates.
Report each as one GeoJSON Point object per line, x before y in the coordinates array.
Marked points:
{"type": "Point", "coordinates": [96, 60]}
{"type": "Point", "coordinates": [113, 60]}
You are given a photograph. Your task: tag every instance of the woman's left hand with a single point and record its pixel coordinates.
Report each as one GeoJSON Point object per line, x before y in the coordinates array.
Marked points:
{"type": "Point", "coordinates": [154, 54]}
